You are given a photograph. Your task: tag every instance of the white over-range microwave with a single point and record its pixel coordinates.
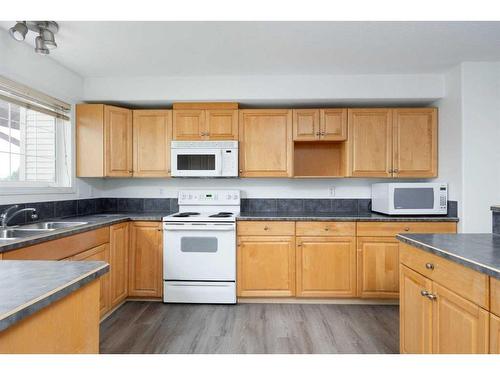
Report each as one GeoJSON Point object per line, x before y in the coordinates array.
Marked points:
{"type": "Point", "coordinates": [204, 158]}
{"type": "Point", "coordinates": [420, 198]}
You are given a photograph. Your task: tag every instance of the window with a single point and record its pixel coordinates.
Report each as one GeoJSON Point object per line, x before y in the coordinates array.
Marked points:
{"type": "Point", "coordinates": [34, 146]}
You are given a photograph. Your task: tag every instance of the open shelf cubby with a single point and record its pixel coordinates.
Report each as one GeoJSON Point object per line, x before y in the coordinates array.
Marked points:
{"type": "Point", "coordinates": [319, 159]}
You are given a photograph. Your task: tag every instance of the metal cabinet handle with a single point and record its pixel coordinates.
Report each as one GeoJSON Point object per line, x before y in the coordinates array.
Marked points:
{"type": "Point", "coordinates": [407, 229]}
{"type": "Point", "coordinates": [327, 229]}
{"type": "Point", "coordinates": [318, 133]}
{"type": "Point", "coordinates": [424, 293]}
{"type": "Point", "coordinates": [323, 133]}
{"type": "Point", "coordinates": [391, 170]}
{"type": "Point", "coordinates": [266, 228]}
{"type": "Point", "coordinates": [396, 171]}
{"type": "Point", "coordinates": [432, 297]}
{"type": "Point", "coordinates": [429, 266]}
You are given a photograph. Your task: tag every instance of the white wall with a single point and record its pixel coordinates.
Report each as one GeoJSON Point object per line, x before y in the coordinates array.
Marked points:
{"type": "Point", "coordinates": [480, 144]}
{"type": "Point", "coordinates": [19, 62]}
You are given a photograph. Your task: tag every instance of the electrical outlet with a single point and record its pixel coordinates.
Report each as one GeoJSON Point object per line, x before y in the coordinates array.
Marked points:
{"type": "Point", "coordinates": [332, 191]}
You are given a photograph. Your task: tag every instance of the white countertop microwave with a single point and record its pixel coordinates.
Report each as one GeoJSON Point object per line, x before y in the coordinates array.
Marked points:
{"type": "Point", "coordinates": [204, 158]}
{"type": "Point", "coordinates": [410, 198]}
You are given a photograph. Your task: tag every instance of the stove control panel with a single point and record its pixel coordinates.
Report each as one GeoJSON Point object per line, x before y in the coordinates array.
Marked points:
{"type": "Point", "coordinates": [209, 197]}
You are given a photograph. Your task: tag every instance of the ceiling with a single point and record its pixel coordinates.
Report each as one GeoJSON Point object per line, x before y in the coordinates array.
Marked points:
{"type": "Point", "coordinates": [101, 49]}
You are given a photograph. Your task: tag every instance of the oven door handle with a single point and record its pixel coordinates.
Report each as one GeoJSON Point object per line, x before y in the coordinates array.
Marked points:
{"type": "Point", "coordinates": [203, 227]}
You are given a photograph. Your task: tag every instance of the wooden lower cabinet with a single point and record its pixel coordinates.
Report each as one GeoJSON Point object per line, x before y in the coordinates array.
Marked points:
{"type": "Point", "coordinates": [378, 267]}
{"type": "Point", "coordinates": [326, 267]}
{"type": "Point", "coordinates": [99, 253]}
{"type": "Point", "coordinates": [266, 266]}
{"type": "Point", "coordinates": [118, 262]}
{"type": "Point", "coordinates": [415, 311]}
{"type": "Point", "coordinates": [145, 259]}
{"type": "Point", "coordinates": [494, 334]}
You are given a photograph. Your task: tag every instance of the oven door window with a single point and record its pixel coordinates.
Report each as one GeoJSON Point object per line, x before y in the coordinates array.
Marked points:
{"type": "Point", "coordinates": [199, 244]}
{"type": "Point", "coordinates": [196, 162]}
{"type": "Point", "coordinates": [414, 198]}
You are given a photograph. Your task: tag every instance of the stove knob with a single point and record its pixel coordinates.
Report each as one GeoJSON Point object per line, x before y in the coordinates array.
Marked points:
{"type": "Point", "coordinates": [228, 197]}
{"type": "Point", "coordinates": [235, 196]}
{"type": "Point", "coordinates": [190, 196]}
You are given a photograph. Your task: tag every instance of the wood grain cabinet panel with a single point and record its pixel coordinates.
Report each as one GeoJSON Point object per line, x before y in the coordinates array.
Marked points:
{"type": "Point", "coordinates": [152, 133]}
{"type": "Point", "coordinates": [266, 228]}
{"type": "Point", "coordinates": [370, 142]}
{"type": "Point", "coordinates": [459, 326]}
{"type": "Point", "coordinates": [386, 229]}
{"type": "Point", "coordinates": [221, 124]}
{"type": "Point", "coordinates": [118, 261]}
{"type": "Point", "coordinates": [333, 124]}
{"type": "Point", "coordinates": [100, 253]}
{"type": "Point", "coordinates": [326, 267]}
{"type": "Point", "coordinates": [188, 124]}
{"type": "Point", "coordinates": [145, 259]}
{"type": "Point", "coordinates": [494, 334]}
{"type": "Point", "coordinates": [415, 310]}
{"type": "Point", "coordinates": [325, 228]}
{"type": "Point", "coordinates": [495, 296]}
{"type": "Point", "coordinates": [378, 267]}
{"type": "Point", "coordinates": [118, 141]}
{"type": "Point", "coordinates": [266, 266]}
{"type": "Point", "coordinates": [265, 143]}
{"type": "Point", "coordinates": [415, 142]}
{"type": "Point", "coordinates": [306, 125]}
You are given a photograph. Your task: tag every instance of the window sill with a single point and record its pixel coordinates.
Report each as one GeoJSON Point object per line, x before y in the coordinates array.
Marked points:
{"type": "Point", "coordinates": [4, 190]}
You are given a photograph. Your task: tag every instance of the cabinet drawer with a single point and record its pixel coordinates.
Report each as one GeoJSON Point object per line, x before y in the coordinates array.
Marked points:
{"type": "Point", "coordinates": [393, 228]}
{"type": "Point", "coordinates": [462, 280]}
{"type": "Point", "coordinates": [495, 295]}
{"type": "Point", "coordinates": [266, 228]}
{"type": "Point", "coordinates": [325, 228]}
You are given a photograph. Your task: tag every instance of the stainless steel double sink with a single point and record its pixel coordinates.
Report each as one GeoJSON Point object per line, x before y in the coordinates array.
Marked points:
{"type": "Point", "coordinates": [29, 230]}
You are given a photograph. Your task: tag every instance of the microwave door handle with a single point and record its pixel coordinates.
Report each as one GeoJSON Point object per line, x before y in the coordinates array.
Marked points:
{"type": "Point", "coordinates": [218, 162]}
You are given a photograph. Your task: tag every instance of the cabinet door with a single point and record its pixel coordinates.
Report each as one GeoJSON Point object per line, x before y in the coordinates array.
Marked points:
{"type": "Point", "coordinates": [378, 267]}
{"type": "Point", "coordinates": [266, 266]}
{"type": "Point", "coordinates": [415, 313]}
{"type": "Point", "coordinates": [89, 140]}
{"type": "Point", "coordinates": [118, 261]}
{"type": "Point", "coordinates": [459, 326]}
{"type": "Point", "coordinates": [145, 259]}
{"type": "Point", "coordinates": [494, 334]}
{"type": "Point", "coordinates": [188, 124]}
{"type": "Point", "coordinates": [415, 142]}
{"type": "Point", "coordinates": [370, 142]}
{"type": "Point", "coordinates": [152, 136]}
{"type": "Point", "coordinates": [265, 143]}
{"type": "Point", "coordinates": [326, 267]}
{"type": "Point", "coordinates": [306, 125]}
{"type": "Point", "coordinates": [333, 124]}
{"type": "Point", "coordinates": [118, 141]}
{"type": "Point", "coordinates": [99, 253]}
{"type": "Point", "coordinates": [221, 124]}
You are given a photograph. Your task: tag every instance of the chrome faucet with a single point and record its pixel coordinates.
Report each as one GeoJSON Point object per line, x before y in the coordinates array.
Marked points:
{"type": "Point", "coordinates": [8, 215]}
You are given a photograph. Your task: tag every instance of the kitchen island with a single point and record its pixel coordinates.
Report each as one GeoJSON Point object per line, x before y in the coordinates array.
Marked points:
{"type": "Point", "coordinates": [50, 307]}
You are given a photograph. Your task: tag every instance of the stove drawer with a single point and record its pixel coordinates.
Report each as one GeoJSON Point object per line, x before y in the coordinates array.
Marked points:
{"type": "Point", "coordinates": [266, 228]}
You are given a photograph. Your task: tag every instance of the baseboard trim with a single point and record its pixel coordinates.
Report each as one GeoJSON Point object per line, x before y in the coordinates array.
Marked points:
{"type": "Point", "coordinates": [322, 301]}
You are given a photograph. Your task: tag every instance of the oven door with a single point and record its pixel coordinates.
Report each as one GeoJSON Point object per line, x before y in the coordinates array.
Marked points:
{"type": "Point", "coordinates": [196, 162]}
{"type": "Point", "coordinates": [199, 251]}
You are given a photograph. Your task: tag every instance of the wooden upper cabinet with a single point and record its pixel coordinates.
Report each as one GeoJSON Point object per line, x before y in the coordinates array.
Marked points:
{"type": "Point", "coordinates": [188, 124]}
{"type": "Point", "coordinates": [333, 124]}
{"type": "Point", "coordinates": [145, 259]}
{"type": "Point", "coordinates": [221, 124]}
{"type": "Point", "coordinates": [265, 143]}
{"type": "Point", "coordinates": [118, 262]}
{"type": "Point", "coordinates": [118, 141]}
{"type": "Point", "coordinates": [152, 135]}
{"type": "Point", "coordinates": [306, 125]}
{"type": "Point", "coordinates": [415, 142]}
{"type": "Point", "coordinates": [459, 326]}
{"type": "Point", "coordinates": [370, 142]}
{"type": "Point", "coordinates": [415, 310]}
{"type": "Point", "coordinates": [326, 267]}
{"type": "Point", "coordinates": [205, 124]}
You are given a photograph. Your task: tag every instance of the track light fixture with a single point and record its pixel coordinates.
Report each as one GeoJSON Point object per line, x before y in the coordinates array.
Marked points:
{"type": "Point", "coordinates": [45, 41]}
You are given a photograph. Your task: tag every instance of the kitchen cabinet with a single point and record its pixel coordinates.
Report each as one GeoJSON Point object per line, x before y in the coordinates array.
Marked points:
{"type": "Point", "coordinates": [205, 124]}
{"type": "Point", "coordinates": [415, 142]}
{"type": "Point", "coordinates": [494, 334]}
{"type": "Point", "coordinates": [145, 259]}
{"type": "Point", "coordinates": [326, 266]}
{"type": "Point", "coordinates": [100, 253]}
{"type": "Point", "coordinates": [398, 142]}
{"type": "Point", "coordinates": [320, 124]}
{"type": "Point", "coordinates": [266, 266]}
{"type": "Point", "coordinates": [265, 143]}
{"type": "Point", "coordinates": [495, 295]}
{"type": "Point", "coordinates": [378, 267]}
{"type": "Point", "coordinates": [152, 133]}
{"type": "Point", "coordinates": [440, 305]}
{"type": "Point", "coordinates": [103, 141]}
{"type": "Point", "coordinates": [118, 262]}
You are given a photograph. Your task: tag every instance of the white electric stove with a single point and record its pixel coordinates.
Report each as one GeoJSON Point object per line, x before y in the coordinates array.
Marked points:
{"type": "Point", "coordinates": [199, 248]}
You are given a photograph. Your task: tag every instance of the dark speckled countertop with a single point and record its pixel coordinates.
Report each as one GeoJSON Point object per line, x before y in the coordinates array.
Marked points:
{"type": "Point", "coordinates": [337, 216]}
{"type": "Point", "coordinates": [28, 286]}
{"type": "Point", "coordinates": [478, 251]}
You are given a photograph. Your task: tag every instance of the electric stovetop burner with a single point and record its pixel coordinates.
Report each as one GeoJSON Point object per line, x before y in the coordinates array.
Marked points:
{"type": "Point", "coordinates": [222, 214]}
{"type": "Point", "coordinates": [186, 214]}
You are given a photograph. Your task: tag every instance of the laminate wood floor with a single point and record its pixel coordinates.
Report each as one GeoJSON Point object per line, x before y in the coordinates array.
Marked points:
{"type": "Point", "coordinates": [153, 327]}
